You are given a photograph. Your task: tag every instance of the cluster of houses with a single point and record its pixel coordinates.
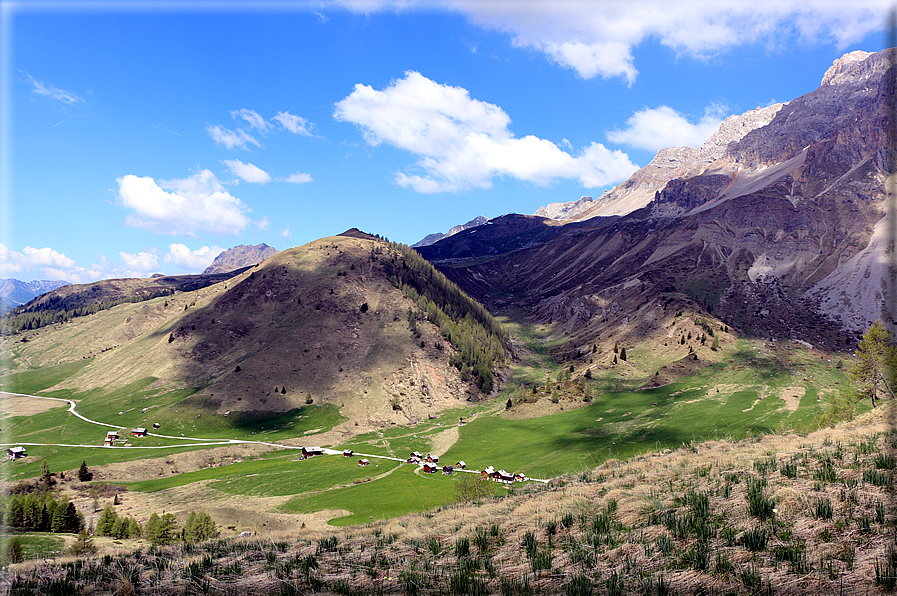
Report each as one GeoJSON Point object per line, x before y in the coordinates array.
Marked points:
{"type": "Point", "coordinates": [113, 435]}
{"type": "Point", "coordinates": [429, 464]}
{"type": "Point", "coordinates": [502, 476]}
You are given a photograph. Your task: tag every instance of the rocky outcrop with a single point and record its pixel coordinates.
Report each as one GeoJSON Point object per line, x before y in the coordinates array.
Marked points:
{"type": "Point", "coordinates": [564, 210]}
{"type": "Point", "coordinates": [239, 257]}
{"type": "Point", "coordinates": [434, 238]}
{"type": "Point", "coordinates": [774, 225]}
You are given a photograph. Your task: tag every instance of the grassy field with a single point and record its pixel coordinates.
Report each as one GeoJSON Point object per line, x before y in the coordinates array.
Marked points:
{"type": "Point", "coordinates": [39, 545]}
{"type": "Point", "coordinates": [279, 475]}
{"type": "Point", "coordinates": [756, 388]}
{"type": "Point", "coordinates": [396, 494]}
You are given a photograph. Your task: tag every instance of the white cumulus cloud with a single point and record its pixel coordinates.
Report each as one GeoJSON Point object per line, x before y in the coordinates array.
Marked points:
{"type": "Point", "coordinates": [597, 38]}
{"type": "Point", "coordinates": [247, 172]}
{"type": "Point", "coordinates": [180, 255]}
{"type": "Point", "coordinates": [658, 128]}
{"type": "Point", "coordinates": [229, 139]}
{"type": "Point", "coordinates": [53, 264]}
{"type": "Point", "coordinates": [464, 143]}
{"type": "Point", "coordinates": [187, 206]}
{"type": "Point", "coordinates": [298, 178]}
{"type": "Point", "coordinates": [141, 263]}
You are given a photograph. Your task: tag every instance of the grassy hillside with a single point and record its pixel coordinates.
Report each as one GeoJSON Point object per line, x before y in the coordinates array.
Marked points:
{"type": "Point", "coordinates": [319, 324]}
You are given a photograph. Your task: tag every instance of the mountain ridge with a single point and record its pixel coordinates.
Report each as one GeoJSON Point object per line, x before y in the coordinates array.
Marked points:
{"type": "Point", "coordinates": [758, 227]}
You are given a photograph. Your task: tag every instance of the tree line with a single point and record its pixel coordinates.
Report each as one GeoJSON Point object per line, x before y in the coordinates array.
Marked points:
{"type": "Point", "coordinates": [58, 309]}
{"type": "Point", "coordinates": [478, 338]}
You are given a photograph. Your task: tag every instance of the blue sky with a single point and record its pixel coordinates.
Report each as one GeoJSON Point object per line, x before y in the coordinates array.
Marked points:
{"type": "Point", "coordinates": [144, 137]}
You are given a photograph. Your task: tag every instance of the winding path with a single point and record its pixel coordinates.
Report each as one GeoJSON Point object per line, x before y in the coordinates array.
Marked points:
{"type": "Point", "coordinates": [202, 441]}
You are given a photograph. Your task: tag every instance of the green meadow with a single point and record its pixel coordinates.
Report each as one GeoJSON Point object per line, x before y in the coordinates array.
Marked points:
{"type": "Point", "coordinates": [396, 494]}
{"type": "Point", "coordinates": [740, 396]}
{"type": "Point", "coordinates": [280, 475]}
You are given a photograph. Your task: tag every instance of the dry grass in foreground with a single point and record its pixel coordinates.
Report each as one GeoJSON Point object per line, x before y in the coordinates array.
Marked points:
{"type": "Point", "coordinates": [781, 514]}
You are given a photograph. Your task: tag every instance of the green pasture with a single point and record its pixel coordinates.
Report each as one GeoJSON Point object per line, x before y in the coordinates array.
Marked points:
{"type": "Point", "coordinates": [68, 459]}
{"type": "Point", "coordinates": [36, 380]}
{"type": "Point", "coordinates": [735, 398]}
{"type": "Point", "coordinates": [399, 493]}
{"type": "Point", "coordinates": [279, 475]}
{"type": "Point", "coordinates": [39, 545]}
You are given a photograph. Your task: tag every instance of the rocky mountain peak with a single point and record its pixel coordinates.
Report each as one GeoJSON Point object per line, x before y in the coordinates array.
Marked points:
{"type": "Point", "coordinates": [564, 210]}
{"type": "Point", "coordinates": [854, 67]}
{"type": "Point", "coordinates": [240, 256]}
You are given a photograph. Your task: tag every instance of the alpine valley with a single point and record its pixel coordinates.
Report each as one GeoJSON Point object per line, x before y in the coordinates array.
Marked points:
{"type": "Point", "coordinates": [632, 394]}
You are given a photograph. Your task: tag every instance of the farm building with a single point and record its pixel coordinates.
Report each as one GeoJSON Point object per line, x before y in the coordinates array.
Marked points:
{"type": "Point", "coordinates": [432, 459]}
{"type": "Point", "coordinates": [15, 452]}
{"type": "Point", "coordinates": [156, 425]}
{"type": "Point", "coordinates": [364, 462]}
{"type": "Point", "coordinates": [112, 434]}
{"type": "Point", "coordinates": [502, 476]}
{"type": "Point", "coordinates": [311, 451]}
{"type": "Point", "coordinates": [431, 468]}
{"type": "Point", "coordinates": [461, 465]}
{"type": "Point", "coordinates": [139, 432]}
{"type": "Point", "coordinates": [519, 476]}
{"type": "Point", "coordinates": [488, 472]}
{"type": "Point", "coordinates": [348, 453]}
{"type": "Point", "coordinates": [447, 470]}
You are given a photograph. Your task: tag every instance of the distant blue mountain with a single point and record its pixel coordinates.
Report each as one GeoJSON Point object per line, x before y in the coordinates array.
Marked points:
{"type": "Point", "coordinates": [15, 293]}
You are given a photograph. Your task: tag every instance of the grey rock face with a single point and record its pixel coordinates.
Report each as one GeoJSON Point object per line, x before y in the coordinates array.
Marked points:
{"type": "Point", "coordinates": [240, 256]}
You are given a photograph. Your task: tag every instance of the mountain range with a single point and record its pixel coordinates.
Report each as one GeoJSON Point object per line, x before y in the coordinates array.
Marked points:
{"type": "Point", "coordinates": [15, 293]}
{"type": "Point", "coordinates": [776, 226]}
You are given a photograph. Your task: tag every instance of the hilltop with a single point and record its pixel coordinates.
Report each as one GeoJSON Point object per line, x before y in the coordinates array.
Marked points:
{"type": "Point", "coordinates": [325, 323]}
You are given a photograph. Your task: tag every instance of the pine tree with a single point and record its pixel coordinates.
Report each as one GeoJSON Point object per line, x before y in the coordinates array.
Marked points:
{"type": "Point", "coordinates": [133, 529]}
{"type": "Point", "coordinates": [12, 551]}
{"type": "Point", "coordinates": [622, 353]}
{"type": "Point", "coordinates": [876, 357]}
{"type": "Point", "coordinates": [162, 530]}
{"type": "Point", "coordinates": [107, 520]}
{"type": "Point", "coordinates": [84, 474]}
{"type": "Point", "coordinates": [83, 545]}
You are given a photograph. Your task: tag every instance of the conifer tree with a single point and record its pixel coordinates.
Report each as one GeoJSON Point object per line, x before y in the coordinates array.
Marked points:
{"type": "Point", "coordinates": [84, 474]}
{"type": "Point", "coordinates": [106, 522]}
{"type": "Point", "coordinates": [876, 358]}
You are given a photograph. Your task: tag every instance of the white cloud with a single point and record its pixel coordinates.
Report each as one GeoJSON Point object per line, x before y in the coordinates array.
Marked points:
{"type": "Point", "coordinates": [185, 206]}
{"type": "Point", "coordinates": [56, 93]}
{"type": "Point", "coordinates": [463, 143]}
{"type": "Point", "coordinates": [263, 223]}
{"type": "Point", "coordinates": [298, 178]}
{"type": "Point", "coordinates": [247, 171]}
{"type": "Point", "coordinates": [53, 264]}
{"type": "Point", "coordinates": [195, 260]}
{"type": "Point", "coordinates": [658, 128]}
{"type": "Point", "coordinates": [47, 256]}
{"type": "Point", "coordinates": [229, 139]}
{"type": "Point", "coordinates": [598, 38]}
{"type": "Point", "coordinates": [286, 233]}
{"type": "Point", "coordinates": [252, 118]}
{"type": "Point", "coordinates": [140, 263]}
{"type": "Point", "coordinates": [294, 124]}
